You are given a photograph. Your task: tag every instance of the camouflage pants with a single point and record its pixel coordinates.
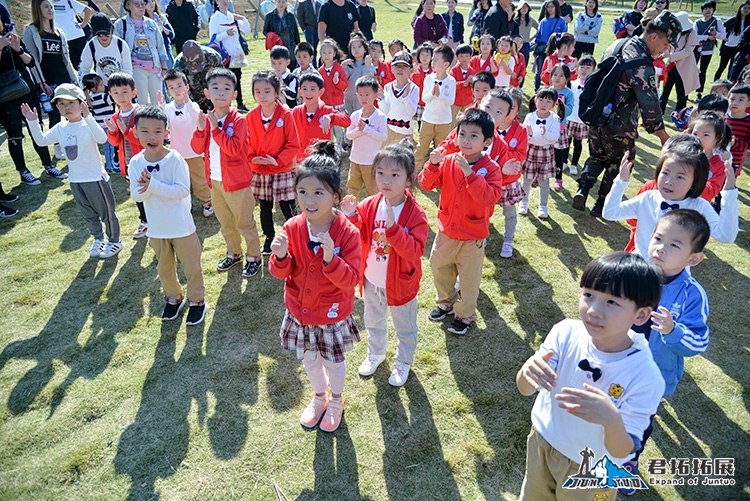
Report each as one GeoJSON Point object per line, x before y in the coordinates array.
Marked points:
{"type": "Point", "coordinates": [605, 152]}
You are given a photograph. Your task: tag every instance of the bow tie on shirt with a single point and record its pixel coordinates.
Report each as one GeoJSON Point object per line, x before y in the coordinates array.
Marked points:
{"type": "Point", "coordinates": [310, 116]}
{"type": "Point", "coordinates": [152, 168]}
{"type": "Point", "coordinates": [265, 122]}
{"type": "Point", "coordinates": [542, 122]}
{"type": "Point", "coordinates": [177, 113]}
{"type": "Point", "coordinates": [586, 366]}
{"type": "Point", "coordinates": [366, 121]}
{"type": "Point", "coordinates": [503, 132]}
{"type": "Point", "coordinates": [668, 207]}
{"type": "Point", "coordinates": [312, 245]}
{"type": "Point", "coordinates": [580, 87]}
{"type": "Point", "coordinates": [439, 83]}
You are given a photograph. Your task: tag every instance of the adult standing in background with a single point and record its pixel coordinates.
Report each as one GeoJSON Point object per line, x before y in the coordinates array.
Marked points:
{"type": "Point", "coordinates": [553, 23]}
{"type": "Point", "coordinates": [566, 11]}
{"type": "Point", "coordinates": [476, 21]}
{"type": "Point", "coordinates": [586, 29]}
{"type": "Point", "coordinates": [225, 26]}
{"type": "Point", "coordinates": [631, 21]}
{"type": "Point", "coordinates": [283, 23]}
{"type": "Point", "coordinates": [709, 30]}
{"type": "Point", "coordinates": [337, 20]}
{"type": "Point", "coordinates": [65, 20]}
{"type": "Point", "coordinates": [684, 73]}
{"type": "Point", "coordinates": [497, 20]}
{"type": "Point", "coordinates": [429, 26]}
{"type": "Point", "coordinates": [454, 20]}
{"type": "Point", "coordinates": [185, 22]}
{"type": "Point", "coordinates": [734, 28]}
{"type": "Point", "coordinates": [307, 16]}
{"type": "Point", "coordinates": [525, 23]}
{"type": "Point", "coordinates": [661, 5]}
{"type": "Point", "coordinates": [367, 22]}
{"type": "Point", "coordinates": [195, 62]}
{"type": "Point", "coordinates": [153, 11]}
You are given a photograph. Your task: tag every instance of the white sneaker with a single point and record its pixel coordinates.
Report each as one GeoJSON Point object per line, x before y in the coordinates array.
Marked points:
{"type": "Point", "coordinates": [565, 167]}
{"type": "Point", "coordinates": [507, 251]}
{"type": "Point", "coordinates": [400, 374]}
{"type": "Point", "coordinates": [523, 209]}
{"type": "Point", "coordinates": [208, 211]}
{"type": "Point", "coordinates": [96, 248]}
{"type": "Point", "coordinates": [141, 231]}
{"type": "Point", "coordinates": [573, 170]}
{"type": "Point", "coordinates": [542, 212]}
{"type": "Point", "coordinates": [370, 365]}
{"type": "Point", "coordinates": [110, 249]}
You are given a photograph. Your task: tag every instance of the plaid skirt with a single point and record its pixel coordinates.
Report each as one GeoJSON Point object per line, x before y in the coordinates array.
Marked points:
{"type": "Point", "coordinates": [564, 140]}
{"type": "Point", "coordinates": [419, 113]}
{"type": "Point", "coordinates": [273, 187]}
{"type": "Point", "coordinates": [540, 162]}
{"type": "Point", "coordinates": [511, 194]}
{"type": "Point", "coordinates": [578, 130]}
{"type": "Point", "coordinates": [330, 341]}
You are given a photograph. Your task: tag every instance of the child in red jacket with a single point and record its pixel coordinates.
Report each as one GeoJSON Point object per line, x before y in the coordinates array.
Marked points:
{"type": "Point", "coordinates": [334, 80]}
{"type": "Point", "coordinates": [273, 144]}
{"type": "Point", "coordinates": [314, 120]}
{"type": "Point", "coordinates": [318, 255]}
{"type": "Point", "coordinates": [393, 230]}
{"type": "Point", "coordinates": [463, 75]}
{"type": "Point", "coordinates": [423, 67]}
{"type": "Point", "coordinates": [471, 186]}
{"type": "Point", "coordinates": [221, 136]}
{"type": "Point", "coordinates": [559, 49]}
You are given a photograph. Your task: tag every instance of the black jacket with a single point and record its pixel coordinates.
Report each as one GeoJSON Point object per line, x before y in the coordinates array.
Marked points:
{"type": "Point", "coordinates": [496, 23]}
{"type": "Point", "coordinates": [184, 20]}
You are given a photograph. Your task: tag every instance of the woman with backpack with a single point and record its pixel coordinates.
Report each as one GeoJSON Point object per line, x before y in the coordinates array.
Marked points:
{"type": "Point", "coordinates": [709, 29]}
{"type": "Point", "coordinates": [682, 71]}
{"type": "Point", "coordinates": [629, 24]}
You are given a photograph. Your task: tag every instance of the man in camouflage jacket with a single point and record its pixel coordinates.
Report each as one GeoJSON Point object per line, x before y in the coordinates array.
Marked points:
{"type": "Point", "coordinates": [636, 93]}
{"type": "Point", "coordinates": [195, 62]}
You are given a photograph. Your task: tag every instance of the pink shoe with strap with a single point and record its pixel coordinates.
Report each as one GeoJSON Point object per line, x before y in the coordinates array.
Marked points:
{"type": "Point", "coordinates": [314, 411]}
{"type": "Point", "coordinates": [332, 418]}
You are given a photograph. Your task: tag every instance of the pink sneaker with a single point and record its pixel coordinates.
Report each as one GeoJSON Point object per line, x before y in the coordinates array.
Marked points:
{"type": "Point", "coordinates": [332, 418]}
{"type": "Point", "coordinates": [312, 413]}
{"type": "Point", "coordinates": [558, 185]}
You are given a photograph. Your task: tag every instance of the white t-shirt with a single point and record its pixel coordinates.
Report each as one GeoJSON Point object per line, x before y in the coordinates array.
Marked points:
{"type": "Point", "coordinates": [576, 87]}
{"type": "Point", "coordinates": [631, 379]}
{"type": "Point", "coordinates": [437, 109]}
{"type": "Point", "coordinates": [215, 153]}
{"type": "Point", "coordinates": [167, 199]}
{"type": "Point", "coordinates": [65, 17]}
{"type": "Point", "coordinates": [182, 123]}
{"type": "Point", "coordinates": [367, 143]}
{"type": "Point", "coordinates": [106, 60]}
{"type": "Point", "coordinates": [376, 267]}
{"type": "Point", "coordinates": [80, 142]}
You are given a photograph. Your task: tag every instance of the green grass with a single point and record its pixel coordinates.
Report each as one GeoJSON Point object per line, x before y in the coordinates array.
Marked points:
{"type": "Point", "coordinates": [100, 400]}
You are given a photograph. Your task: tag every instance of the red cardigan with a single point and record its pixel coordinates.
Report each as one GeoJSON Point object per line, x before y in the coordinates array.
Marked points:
{"type": "Point", "coordinates": [281, 140]}
{"type": "Point", "coordinates": [498, 153]}
{"type": "Point", "coordinates": [232, 140]}
{"type": "Point", "coordinates": [407, 238]}
{"type": "Point", "coordinates": [334, 94]}
{"type": "Point", "coordinates": [384, 74]}
{"type": "Point", "coordinates": [464, 94]}
{"type": "Point", "coordinates": [550, 62]}
{"type": "Point", "coordinates": [517, 139]}
{"type": "Point", "coordinates": [311, 132]}
{"type": "Point", "coordinates": [466, 203]}
{"type": "Point", "coordinates": [418, 78]}
{"type": "Point", "coordinates": [476, 66]}
{"type": "Point", "coordinates": [314, 293]}
{"type": "Point", "coordinates": [117, 139]}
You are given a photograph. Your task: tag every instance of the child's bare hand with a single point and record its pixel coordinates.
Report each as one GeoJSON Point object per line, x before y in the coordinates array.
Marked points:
{"type": "Point", "coordinates": [259, 161]}
{"type": "Point", "coordinates": [625, 166]}
{"type": "Point", "coordinates": [435, 89]}
{"type": "Point", "coordinates": [538, 373]}
{"type": "Point", "coordinates": [529, 129]}
{"type": "Point", "coordinates": [335, 78]}
{"type": "Point", "coordinates": [437, 155]}
{"type": "Point", "coordinates": [325, 124]}
{"type": "Point", "coordinates": [463, 164]}
{"type": "Point", "coordinates": [213, 119]}
{"type": "Point", "coordinates": [368, 61]}
{"type": "Point", "coordinates": [349, 205]}
{"type": "Point", "coordinates": [326, 242]}
{"type": "Point", "coordinates": [121, 127]}
{"type": "Point", "coordinates": [347, 62]}
{"type": "Point", "coordinates": [270, 160]}
{"type": "Point", "coordinates": [85, 109]}
{"type": "Point", "coordinates": [160, 98]}
{"type": "Point", "coordinates": [543, 130]}
{"type": "Point", "coordinates": [144, 181]}
{"type": "Point", "coordinates": [511, 167]}
{"type": "Point", "coordinates": [731, 182]}
{"type": "Point", "coordinates": [663, 321]}
{"type": "Point", "coordinates": [30, 114]}
{"type": "Point", "coordinates": [390, 216]}
{"type": "Point", "coordinates": [590, 404]}
{"type": "Point", "coordinates": [110, 124]}
{"type": "Point", "coordinates": [381, 92]}
{"type": "Point", "coordinates": [231, 32]}
{"type": "Point", "coordinates": [280, 245]}
{"type": "Point", "coordinates": [201, 121]}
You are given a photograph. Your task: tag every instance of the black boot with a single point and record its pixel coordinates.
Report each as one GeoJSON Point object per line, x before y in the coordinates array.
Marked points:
{"type": "Point", "coordinates": [596, 210]}
{"type": "Point", "coordinates": [579, 199]}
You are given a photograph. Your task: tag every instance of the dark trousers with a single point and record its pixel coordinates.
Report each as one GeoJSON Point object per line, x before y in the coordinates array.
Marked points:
{"type": "Point", "coordinates": [75, 47]}
{"type": "Point", "coordinates": [577, 150]}
{"type": "Point", "coordinates": [561, 157]}
{"type": "Point", "coordinates": [583, 48]}
{"type": "Point", "coordinates": [238, 73]}
{"type": "Point", "coordinates": [13, 123]}
{"type": "Point", "coordinates": [703, 63]}
{"type": "Point", "coordinates": [726, 55]}
{"type": "Point", "coordinates": [288, 208]}
{"type": "Point", "coordinates": [646, 434]}
{"type": "Point", "coordinates": [673, 80]}
{"type": "Point", "coordinates": [605, 152]}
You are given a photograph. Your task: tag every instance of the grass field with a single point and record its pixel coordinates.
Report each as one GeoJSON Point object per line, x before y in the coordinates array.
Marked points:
{"type": "Point", "coordinates": [101, 400]}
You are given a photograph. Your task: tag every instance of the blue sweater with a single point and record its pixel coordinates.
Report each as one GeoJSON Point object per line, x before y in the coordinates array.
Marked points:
{"type": "Point", "coordinates": [686, 300]}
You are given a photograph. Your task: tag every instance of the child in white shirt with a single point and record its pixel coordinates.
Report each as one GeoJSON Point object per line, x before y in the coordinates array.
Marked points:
{"type": "Point", "coordinates": [400, 100]}
{"type": "Point", "coordinates": [438, 94]}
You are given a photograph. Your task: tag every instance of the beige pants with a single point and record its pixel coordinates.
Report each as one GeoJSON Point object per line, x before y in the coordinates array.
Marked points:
{"type": "Point", "coordinates": [428, 133]}
{"type": "Point", "coordinates": [198, 180]}
{"type": "Point", "coordinates": [455, 110]}
{"type": "Point", "coordinates": [235, 212]}
{"type": "Point", "coordinates": [394, 137]}
{"type": "Point", "coordinates": [547, 469]}
{"type": "Point", "coordinates": [188, 251]}
{"type": "Point", "coordinates": [361, 175]}
{"type": "Point", "coordinates": [457, 258]}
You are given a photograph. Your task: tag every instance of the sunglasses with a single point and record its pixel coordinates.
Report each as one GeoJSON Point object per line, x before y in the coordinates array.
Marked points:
{"type": "Point", "coordinates": [660, 3]}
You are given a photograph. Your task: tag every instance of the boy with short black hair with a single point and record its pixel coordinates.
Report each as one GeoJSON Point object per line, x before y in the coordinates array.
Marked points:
{"type": "Point", "coordinates": [161, 181]}
{"type": "Point", "coordinates": [463, 74]}
{"type": "Point", "coordinates": [100, 55]}
{"type": "Point", "coordinates": [367, 132]}
{"type": "Point", "coordinates": [280, 64]}
{"type": "Point", "coordinates": [481, 85]}
{"type": "Point", "coordinates": [739, 121]}
{"type": "Point", "coordinates": [577, 130]}
{"type": "Point", "coordinates": [597, 380]}
{"type": "Point", "coordinates": [120, 132]}
{"type": "Point", "coordinates": [80, 135]}
{"type": "Point", "coordinates": [304, 53]}
{"type": "Point", "coordinates": [438, 94]}
{"type": "Point", "coordinates": [400, 100]}
{"type": "Point", "coordinates": [471, 183]}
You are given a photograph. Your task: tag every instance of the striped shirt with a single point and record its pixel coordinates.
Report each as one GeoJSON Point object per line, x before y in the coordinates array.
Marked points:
{"type": "Point", "coordinates": [102, 107]}
{"type": "Point", "coordinates": [741, 132]}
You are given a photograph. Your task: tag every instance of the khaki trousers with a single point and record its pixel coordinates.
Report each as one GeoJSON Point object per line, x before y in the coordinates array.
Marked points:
{"type": "Point", "coordinates": [198, 180]}
{"type": "Point", "coordinates": [457, 258]}
{"type": "Point", "coordinates": [395, 137]}
{"type": "Point", "coordinates": [455, 110]}
{"type": "Point", "coordinates": [361, 175]}
{"type": "Point", "coordinates": [188, 251]}
{"type": "Point", "coordinates": [428, 133]}
{"type": "Point", "coordinates": [235, 212]}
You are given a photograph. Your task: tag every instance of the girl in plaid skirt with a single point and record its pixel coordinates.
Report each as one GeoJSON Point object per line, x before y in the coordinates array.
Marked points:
{"type": "Point", "coordinates": [560, 81]}
{"type": "Point", "coordinates": [318, 254]}
{"type": "Point", "coordinates": [543, 128]}
{"type": "Point", "coordinates": [273, 143]}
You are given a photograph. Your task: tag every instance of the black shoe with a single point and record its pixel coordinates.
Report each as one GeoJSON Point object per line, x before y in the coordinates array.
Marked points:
{"type": "Point", "coordinates": [28, 178]}
{"type": "Point", "coordinates": [596, 210]}
{"type": "Point", "coordinates": [171, 311]}
{"type": "Point", "coordinates": [228, 262]}
{"type": "Point", "coordinates": [196, 313]}
{"type": "Point", "coordinates": [8, 198]}
{"type": "Point", "coordinates": [459, 327]}
{"type": "Point", "coordinates": [241, 108]}
{"type": "Point", "coordinates": [6, 211]}
{"type": "Point", "coordinates": [52, 171]}
{"type": "Point", "coordinates": [438, 314]}
{"type": "Point", "coordinates": [251, 268]}
{"type": "Point", "coordinates": [579, 200]}
{"type": "Point", "coordinates": [267, 248]}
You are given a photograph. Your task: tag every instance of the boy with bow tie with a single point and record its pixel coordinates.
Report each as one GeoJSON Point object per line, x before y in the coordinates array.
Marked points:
{"type": "Point", "coordinates": [160, 179]}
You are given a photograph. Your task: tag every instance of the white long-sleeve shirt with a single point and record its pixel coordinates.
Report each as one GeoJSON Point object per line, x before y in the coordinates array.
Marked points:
{"type": "Point", "coordinates": [220, 24]}
{"type": "Point", "coordinates": [402, 107]}
{"type": "Point", "coordinates": [437, 109]}
{"type": "Point", "coordinates": [646, 207]}
{"type": "Point", "coordinates": [182, 123]}
{"type": "Point", "coordinates": [167, 199]}
{"type": "Point", "coordinates": [105, 60]}
{"type": "Point", "coordinates": [367, 142]}
{"type": "Point", "coordinates": [551, 125]}
{"type": "Point", "coordinates": [80, 142]}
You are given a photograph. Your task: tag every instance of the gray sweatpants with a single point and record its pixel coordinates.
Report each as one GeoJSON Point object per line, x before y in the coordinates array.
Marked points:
{"type": "Point", "coordinates": [96, 201]}
{"type": "Point", "coordinates": [376, 321]}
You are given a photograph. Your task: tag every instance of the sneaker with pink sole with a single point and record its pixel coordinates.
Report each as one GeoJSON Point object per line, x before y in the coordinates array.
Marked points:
{"type": "Point", "coordinates": [332, 418]}
{"type": "Point", "coordinates": [558, 185]}
{"type": "Point", "coordinates": [314, 411]}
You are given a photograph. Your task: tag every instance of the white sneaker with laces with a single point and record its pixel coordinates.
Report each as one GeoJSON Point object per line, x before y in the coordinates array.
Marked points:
{"type": "Point", "coordinates": [110, 249]}
{"type": "Point", "coordinates": [371, 364]}
{"type": "Point", "coordinates": [523, 209]}
{"type": "Point", "coordinates": [573, 170]}
{"type": "Point", "coordinates": [399, 374]}
{"type": "Point", "coordinates": [96, 248]}
{"type": "Point", "coordinates": [507, 251]}
{"type": "Point", "coordinates": [542, 212]}
{"type": "Point", "coordinates": [141, 231]}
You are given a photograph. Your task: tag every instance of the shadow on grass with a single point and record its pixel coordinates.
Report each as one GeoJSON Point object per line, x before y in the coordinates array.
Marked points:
{"type": "Point", "coordinates": [413, 462]}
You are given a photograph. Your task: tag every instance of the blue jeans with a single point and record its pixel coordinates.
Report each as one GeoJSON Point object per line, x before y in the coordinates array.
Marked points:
{"type": "Point", "coordinates": [109, 157]}
{"type": "Point", "coordinates": [526, 50]}
{"type": "Point", "coordinates": [311, 37]}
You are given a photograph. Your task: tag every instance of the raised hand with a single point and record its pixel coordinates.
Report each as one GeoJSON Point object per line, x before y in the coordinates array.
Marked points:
{"type": "Point", "coordinates": [349, 205]}
{"type": "Point", "coordinates": [110, 124]}
{"type": "Point", "coordinates": [625, 166]}
{"type": "Point", "coordinates": [537, 373]}
{"type": "Point", "coordinates": [731, 182]}
{"type": "Point", "coordinates": [213, 119]}
{"type": "Point", "coordinates": [325, 124]}
{"type": "Point", "coordinates": [463, 164]}
{"type": "Point", "coordinates": [160, 98]}
{"type": "Point", "coordinates": [326, 242]}
{"type": "Point", "coordinates": [144, 181]}
{"type": "Point", "coordinates": [201, 121]}
{"type": "Point", "coordinates": [662, 320]}
{"type": "Point", "coordinates": [390, 216]}
{"type": "Point", "coordinates": [590, 404]}
{"type": "Point", "coordinates": [280, 245]}
{"type": "Point", "coordinates": [29, 113]}
{"type": "Point", "coordinates": [437, 155]}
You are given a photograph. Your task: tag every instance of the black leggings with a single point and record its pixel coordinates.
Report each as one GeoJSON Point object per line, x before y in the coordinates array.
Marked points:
{"type": "Point", "coordinates": [726, 54]}
{"type": "Point", "coordinates": [577, 149]}
{"type": "Point", "coordinates": [288, 208]}
{"type": "Point", "coordinates": [673, 80]}
{"type": "Point", "coordinates": [238, 73]}
{"type": "Point", "coordinates": [13, 123]}
{"type": "Point", "coordinates": [703, 61]}
{"type": "Point", "coordinates": [561, 157]}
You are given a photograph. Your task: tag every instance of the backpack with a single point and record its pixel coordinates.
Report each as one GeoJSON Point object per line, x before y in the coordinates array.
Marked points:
{"type": "Point", "coordinates": [618, 25]}
{"type": "Point", "coordinates": [219, 48]}
{"type": "Point", "coordinates": [600, 86]}
{"type": "Point", "coordinates": [93, 55]}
